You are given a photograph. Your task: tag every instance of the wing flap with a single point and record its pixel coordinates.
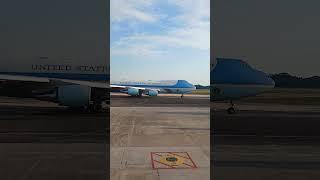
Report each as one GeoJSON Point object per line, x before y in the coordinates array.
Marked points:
{"type": "Point", "coordinates": [125, 87]}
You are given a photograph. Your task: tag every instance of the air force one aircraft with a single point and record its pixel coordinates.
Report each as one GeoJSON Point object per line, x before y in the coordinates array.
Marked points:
{"type": "Point", "coordinates": [153, 88]}
{"type": "Point", "coordinates": [76, 86]}
{"type": "Point", "coordinates": [232, 79]}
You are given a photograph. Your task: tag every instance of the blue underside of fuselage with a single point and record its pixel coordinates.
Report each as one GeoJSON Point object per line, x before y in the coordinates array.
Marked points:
{"type": "Point", "coordinates": [70, 76]}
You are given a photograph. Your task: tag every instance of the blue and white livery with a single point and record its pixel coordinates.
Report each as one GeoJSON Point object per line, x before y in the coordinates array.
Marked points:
{"type": "Point", "coordinates": [76, 90]}
{"type": "Point", "coordinates": [153, 88]}
{"type": "Point", "coordinates": [233, 79]}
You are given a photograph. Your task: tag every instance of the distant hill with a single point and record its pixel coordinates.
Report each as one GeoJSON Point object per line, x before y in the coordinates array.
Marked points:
{"type": "Point", "coordinates": [201, 87]}
{"type": "Point", "coordinates": [286, 80]}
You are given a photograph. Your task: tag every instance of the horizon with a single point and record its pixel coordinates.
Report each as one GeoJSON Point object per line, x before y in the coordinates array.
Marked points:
{"type": "Point", "coordinates": [303, 77]}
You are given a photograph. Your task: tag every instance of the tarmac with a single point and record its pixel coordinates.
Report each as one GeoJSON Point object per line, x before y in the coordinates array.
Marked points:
{"type": "Point", "coordinates": [274, 140]}
{"type": "Point", "coordinates": [142, 127]}
{"type": "Point", "coordinates": [266, 141]}
{"type": "Point", "coordinates": [162, 100]}
{"type": "Point", "coordinates": [41, 140]}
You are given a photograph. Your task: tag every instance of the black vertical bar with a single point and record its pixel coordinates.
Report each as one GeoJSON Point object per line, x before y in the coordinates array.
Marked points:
{"type": "Point", "coordinates": [108, 136]}
{"type": "Point", "coordinates": [211, 82]}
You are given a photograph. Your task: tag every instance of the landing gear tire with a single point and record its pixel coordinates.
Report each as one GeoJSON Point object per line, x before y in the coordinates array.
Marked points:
{"type": "Point", "coordinates": [95, 107]}
{"type": "Point", "coordinates": [231, 110]}
{"type": "Point", "coordinates": [140, 93]}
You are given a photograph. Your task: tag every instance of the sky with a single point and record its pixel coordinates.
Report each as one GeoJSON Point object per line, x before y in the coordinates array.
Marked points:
{"type": "Point", "coordinates": [54, 29]}
{"type": "Point", "coordinates": [273, 36]}
{"type": "Point", "coordinates": [160, 40]}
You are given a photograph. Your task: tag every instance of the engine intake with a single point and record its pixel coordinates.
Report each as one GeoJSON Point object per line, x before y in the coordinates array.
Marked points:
{"type": "Point", "coordinates": [153, 93]}
{"type": "Point", "coordinates": [74, 95]}
{"type": "Point", "coordinates": [133, 92]}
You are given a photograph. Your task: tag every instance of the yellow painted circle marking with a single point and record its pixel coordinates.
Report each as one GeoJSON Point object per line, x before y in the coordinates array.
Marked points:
{"type": "Point", "coordinates": [171, 160]}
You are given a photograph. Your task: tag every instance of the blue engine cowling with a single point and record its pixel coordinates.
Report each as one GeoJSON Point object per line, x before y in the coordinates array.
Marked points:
{"type": "Point", "coordinates": [153, 93]}
{"type": "Point", "coordinates": [133, 92]}
{"type": "Point", "coordinates": [74, 95]}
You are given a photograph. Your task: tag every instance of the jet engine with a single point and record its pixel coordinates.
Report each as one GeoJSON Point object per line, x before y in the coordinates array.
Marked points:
{"type": "Point", "coordinates": [74, 95]}
{"type": "Point", "coordinates": [133, 92]}
{"type": "Point", "coordinates": [153, 93]}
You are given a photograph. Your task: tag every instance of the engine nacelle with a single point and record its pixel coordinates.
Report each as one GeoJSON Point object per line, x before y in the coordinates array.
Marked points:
{"type": "Point", "coordinates": [153, 93]}
{"type": "Point", "coordinates": [133, 92]}
{"type": "Point", "coordinates": [74, 95]}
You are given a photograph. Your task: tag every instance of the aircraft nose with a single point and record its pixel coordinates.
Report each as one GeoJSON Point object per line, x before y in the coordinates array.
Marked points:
{"type": "Point", "coordinates": [269, 81]}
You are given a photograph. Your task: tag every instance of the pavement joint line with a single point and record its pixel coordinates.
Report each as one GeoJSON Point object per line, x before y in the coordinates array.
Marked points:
{"type": "Point", "coordinates": [122, 157]}
{"type": "Point", "coordinates": [25, 175]}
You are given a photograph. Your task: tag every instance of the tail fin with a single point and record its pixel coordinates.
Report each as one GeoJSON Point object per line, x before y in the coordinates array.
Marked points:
{"type": "Point", "coordinates": [183, 84]}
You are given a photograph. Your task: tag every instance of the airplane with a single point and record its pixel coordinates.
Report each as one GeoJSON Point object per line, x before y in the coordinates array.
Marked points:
{"type": "Point", "coordinates": [232, 79]}
{"type": "Point", "coordinates": [75, 86]}
{"type": "Point", "coordinates": [153, 88]}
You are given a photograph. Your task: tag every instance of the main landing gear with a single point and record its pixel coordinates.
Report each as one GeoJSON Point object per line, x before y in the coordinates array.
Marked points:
{"type": "Point", "coordinates": [232, 109]}
{"type": "Point", "coordinates": [90, 108]}
{"type": "Point", "coordinates": [95, 107]}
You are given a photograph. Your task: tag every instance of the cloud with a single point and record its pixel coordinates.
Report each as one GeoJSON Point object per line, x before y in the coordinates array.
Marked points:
{"type": "Point", "coordinates": [134, 49]}
{"type": "Point", "coordinates": [190, 30]}
{"type": "Point", "coordinates": [193, 11]}
{"type": "Point", "coordinates": [132, 10]}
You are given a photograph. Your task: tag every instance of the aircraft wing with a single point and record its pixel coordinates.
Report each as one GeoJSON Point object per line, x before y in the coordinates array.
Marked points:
{"type": "Point", "coordinates": [48, 80]}
{"type": "Point", "coordinates": [125, 88]}
{"type": "Point", "coordinates": [84, 83]}
{"type": "Point", "coordinates": [120, 87]}
{"type": "Point", "coordinates": [23, 78]}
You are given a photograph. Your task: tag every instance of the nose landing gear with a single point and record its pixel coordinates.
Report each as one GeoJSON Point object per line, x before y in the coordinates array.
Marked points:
{"type": "Point", "coordinates": [232, 109]}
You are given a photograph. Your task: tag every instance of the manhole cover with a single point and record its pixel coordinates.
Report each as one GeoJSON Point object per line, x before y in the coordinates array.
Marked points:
{"type": "Point", "coordinates": [171, 160]}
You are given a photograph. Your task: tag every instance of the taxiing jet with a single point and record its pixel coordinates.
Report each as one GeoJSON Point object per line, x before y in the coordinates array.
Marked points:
{"type": "Point", "coordinates": [153, 88]}
{"type": "Point", "coordinates": [76, 90]}
{"type": "Point", "coordinates": [232, 79]}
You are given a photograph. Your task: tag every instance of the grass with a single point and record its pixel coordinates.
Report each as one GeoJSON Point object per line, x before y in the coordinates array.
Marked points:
{"type": "Point", "coordinates": [285, 96]}
{"type": "Point", "coordinates": [201, 91]}
{"type": "Point", "coordinates": [292, 96]}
